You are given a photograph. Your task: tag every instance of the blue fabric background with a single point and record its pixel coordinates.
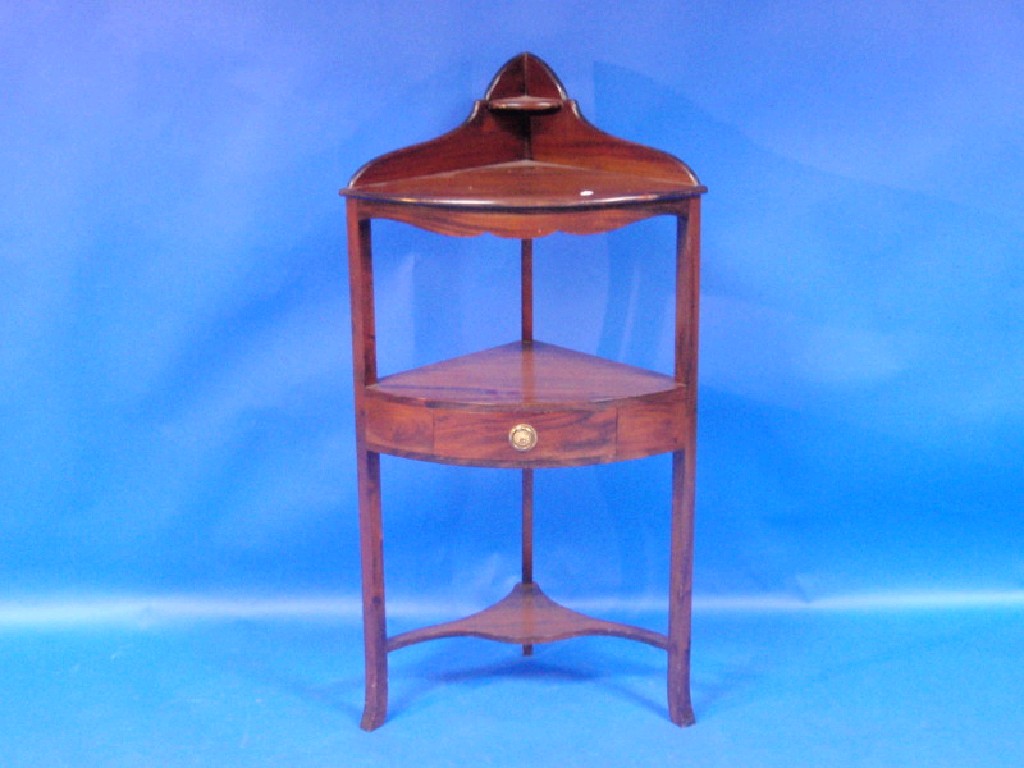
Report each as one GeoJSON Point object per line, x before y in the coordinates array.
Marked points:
{"type": "Point", "coordinates": [175, 407]}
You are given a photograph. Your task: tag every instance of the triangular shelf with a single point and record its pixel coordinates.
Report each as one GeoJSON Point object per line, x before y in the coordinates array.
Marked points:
{"type": "Point", "coordinates": [523, 373]}
{"type": "Point", "coordinates": [526, 616]}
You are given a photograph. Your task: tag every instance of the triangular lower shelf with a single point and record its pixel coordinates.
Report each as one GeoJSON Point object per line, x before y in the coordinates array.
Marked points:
{"type": "Point", "coordinates": [527, 616]}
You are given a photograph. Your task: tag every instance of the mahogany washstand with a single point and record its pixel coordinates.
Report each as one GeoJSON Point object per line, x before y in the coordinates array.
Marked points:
{"type": "Point", "coordinates": [525, 164]}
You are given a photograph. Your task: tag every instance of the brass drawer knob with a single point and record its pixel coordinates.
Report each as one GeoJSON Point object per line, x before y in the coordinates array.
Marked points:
{"type": "Point", "coordinates": [522, 437]}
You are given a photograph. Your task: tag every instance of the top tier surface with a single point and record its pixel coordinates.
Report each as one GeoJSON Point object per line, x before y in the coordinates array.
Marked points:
{"type": "Point", "coordinates": [526, 148]}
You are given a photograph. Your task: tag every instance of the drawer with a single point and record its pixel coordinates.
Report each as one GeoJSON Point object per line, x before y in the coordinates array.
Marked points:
{"type": "Point", "coordinates": [549, 438]}
{"type": "Point", "coordinates": [399, 428]}
{"type": "Point", "coordinates": [628, 430]}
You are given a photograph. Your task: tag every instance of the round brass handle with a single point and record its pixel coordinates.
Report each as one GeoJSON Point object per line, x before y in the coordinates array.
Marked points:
{"type": "Point", "coordinates": [522, 437]}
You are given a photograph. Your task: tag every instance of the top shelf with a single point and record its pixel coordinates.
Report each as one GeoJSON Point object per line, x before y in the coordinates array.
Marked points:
{"type": "Point", "coordinates": [524, 149]}
{"type": "Point", "coordinates": [526, 185]}
{"type": "Point", "coordinates": [525, 104]}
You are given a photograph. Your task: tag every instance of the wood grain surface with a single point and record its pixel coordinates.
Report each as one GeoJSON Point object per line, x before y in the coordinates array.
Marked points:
{"type": "Point", "coordinates": [524, 164]}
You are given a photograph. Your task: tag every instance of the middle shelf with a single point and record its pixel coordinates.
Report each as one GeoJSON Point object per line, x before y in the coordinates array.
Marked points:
{"type": "Point", "coordinates": [581, 409]}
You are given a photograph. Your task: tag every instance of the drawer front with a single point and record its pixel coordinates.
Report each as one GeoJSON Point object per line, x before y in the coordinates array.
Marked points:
{"type": "Point", "coordinates": [652, 425]}
{"type": "Point", "coordinates": [398, 428]}
{"type": "Point", "coordinates": [631, 430]}
{"type": "Point", "coordinates": [543, 438]}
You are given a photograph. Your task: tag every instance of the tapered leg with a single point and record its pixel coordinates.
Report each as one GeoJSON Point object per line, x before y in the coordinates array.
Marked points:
{"type": "Point", "coordinates": [684, 464]}
{"type": "Point", "coordinates": [374, 624]}
{"type": "Point", "coordinates": [680, 709]}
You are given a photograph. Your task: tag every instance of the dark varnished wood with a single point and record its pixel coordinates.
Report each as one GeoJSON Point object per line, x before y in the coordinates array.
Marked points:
{"type": "Point", "coordinates": [526, 337]}
{"type": "Point", "coordinates": [526, 290]}
{"type": "Point", "coordinates": [526, 616]}
{"type": "Point", "coordinates": [585, 409]}
{"type": "Point", "coordinates": [525, 186]}
{"type": "Point", "coordinates": [364, 368]}
{"type": "Point", "coordinates": [524, 164]}
{"type": "Point", "coordinates": [566, 437]}
{"type": "Point", "coordinates": [535, 374]}
{"type": "Point", "coordinates": [684, 467]}
{"type": "Point", "coordinates": [531, 161]}
{"type": "Point", "coordinates": [536, 104]}
{"type": "Point", "coordinates": [526, 573]}
{"type": "Point", "coordinates": [466, 222]}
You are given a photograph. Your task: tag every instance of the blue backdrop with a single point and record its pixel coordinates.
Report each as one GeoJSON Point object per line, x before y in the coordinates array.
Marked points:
{"type": "Point", "coordinates": [175, 407]}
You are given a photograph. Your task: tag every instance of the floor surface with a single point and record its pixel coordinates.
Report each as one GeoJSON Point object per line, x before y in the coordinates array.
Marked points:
{"type": "Point", "coordinates": [814, 688]}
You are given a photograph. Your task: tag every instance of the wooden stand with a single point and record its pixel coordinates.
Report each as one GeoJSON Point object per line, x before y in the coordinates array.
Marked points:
{"type": "Point", "coordinates": [523, 165]}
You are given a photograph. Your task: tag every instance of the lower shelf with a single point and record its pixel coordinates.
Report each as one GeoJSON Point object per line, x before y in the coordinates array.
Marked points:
{"type": "Point", "coordinates": [527, 616]}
